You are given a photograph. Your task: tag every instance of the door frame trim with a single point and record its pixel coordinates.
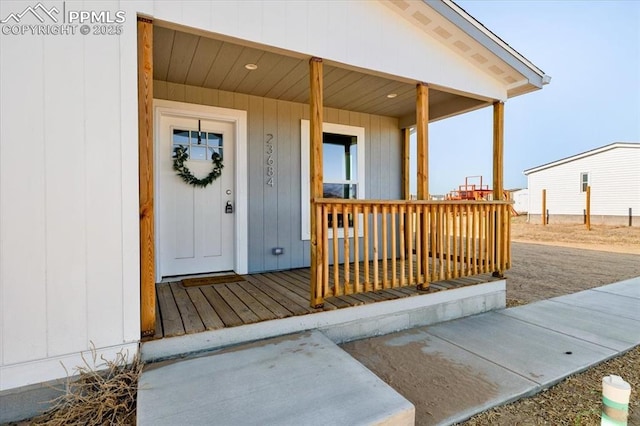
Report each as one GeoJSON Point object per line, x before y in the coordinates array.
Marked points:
{"type": "Point", "coordinates": [238, 118]}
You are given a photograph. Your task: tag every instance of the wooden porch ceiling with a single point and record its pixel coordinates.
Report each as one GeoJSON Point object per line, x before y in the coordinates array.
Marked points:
{"type": "Point", "coordinates": [197, 60]}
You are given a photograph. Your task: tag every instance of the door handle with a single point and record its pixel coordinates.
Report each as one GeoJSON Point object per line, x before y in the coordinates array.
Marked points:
{"type": "Point", "coordinates": [228, 208]}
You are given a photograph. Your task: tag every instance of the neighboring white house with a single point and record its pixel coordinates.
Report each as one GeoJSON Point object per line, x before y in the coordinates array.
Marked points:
{"type": "Point", "coordinates": [613, 173]}
{"type": "Point", "coordinates": [82, 117]}
{"type": "Point", "coordinates": [520, 199]}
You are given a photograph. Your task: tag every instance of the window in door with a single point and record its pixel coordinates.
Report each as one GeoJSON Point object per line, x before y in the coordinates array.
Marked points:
{"type": "Point", "coordinates": [199, 145]}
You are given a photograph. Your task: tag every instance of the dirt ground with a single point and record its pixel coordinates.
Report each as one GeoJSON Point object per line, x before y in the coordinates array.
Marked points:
{"type": "Point", "coordinates": [547, 261]}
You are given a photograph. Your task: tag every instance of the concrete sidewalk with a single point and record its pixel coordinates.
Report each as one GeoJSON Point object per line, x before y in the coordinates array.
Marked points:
{"type": "Point", "coordinates": [306, 379]}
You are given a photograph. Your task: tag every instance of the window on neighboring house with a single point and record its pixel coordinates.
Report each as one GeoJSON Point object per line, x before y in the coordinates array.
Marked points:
{"type": "Point", "coordinates": [343, 154]}
{"type": "Point", "coordinates": [584, 181]}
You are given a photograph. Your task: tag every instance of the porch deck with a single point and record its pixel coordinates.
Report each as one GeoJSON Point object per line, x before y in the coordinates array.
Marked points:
{"type": "Point", "coordinates": [263, 297]}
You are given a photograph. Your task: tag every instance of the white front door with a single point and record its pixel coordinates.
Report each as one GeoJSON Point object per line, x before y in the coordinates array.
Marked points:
{"type": "Point", "coordinates": [196, 225]}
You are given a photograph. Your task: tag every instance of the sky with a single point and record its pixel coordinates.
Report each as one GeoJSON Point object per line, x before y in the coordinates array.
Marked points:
{"type": "Point", "coordinates": [591, 50]}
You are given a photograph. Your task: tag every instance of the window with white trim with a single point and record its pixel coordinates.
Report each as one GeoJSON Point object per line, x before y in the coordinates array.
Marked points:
{"type": "Point", "coordinates": [584, 181]}
{"type": "Point", "coordinates": [343, 154]}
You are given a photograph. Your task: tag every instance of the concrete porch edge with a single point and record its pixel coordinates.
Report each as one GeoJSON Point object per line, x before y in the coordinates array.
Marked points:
{"type": "Point", "coordinates": [343, 325]}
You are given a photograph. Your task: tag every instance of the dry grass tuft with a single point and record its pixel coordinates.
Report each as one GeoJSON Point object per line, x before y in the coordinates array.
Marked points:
{"type": "Point", "coordinates": [575, 401]}
{"type": "Point", "coordinates": [511, 303]}
{"type": "Point", "coordinates": [97, 396]}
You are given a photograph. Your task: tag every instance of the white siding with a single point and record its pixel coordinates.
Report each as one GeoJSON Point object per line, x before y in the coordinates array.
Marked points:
{"type": "Point", "coordinates": [614, 177]}
{"type": "Point", "coordinates": [22, 200]}
{"type": "Point", "coordinates": [68, 208]}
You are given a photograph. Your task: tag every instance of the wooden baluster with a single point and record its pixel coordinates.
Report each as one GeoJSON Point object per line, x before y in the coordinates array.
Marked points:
{"type": "Point", "coordinates": [497, 231]}
{"type": "Point", "coordinates": [385, 254]}
{"type": "Point", "coordinates": [491, 237]}
{"type": "Point", "coordinates": [454, 237]}
{"type": "Point", "coordinates": [375, 247]}
{"type": "Point", "coordinates": [410, 242]}
{"type": "Point", "coordinates": [418, 242]}
{"type": "Point", "coordinates": [468, 240]}
{"type": "Point", "coordinates": [447, 244]}
{"type": "Point", "coordinates": [442, 235]}
{"type": "Point", "coordinates": [494, 238]}
{"type": "Point", "coordinates": [356, 250]}
{"type": "Point", "coordinates": [324, 238]}
{"type": "Point", "coordinates": [394, 280]}
{"type": "Point", "coordinates": [480, 239]}
{"type": "Point", "coordinates": [403, 250]}
{"type": "Point", "coordinates": [434, 241]}
{"type": "Point", "coordinates": [367, 282]}
{"type": "Point", "coordinates": [337, 286]}
{"type": "Point", "coordinates": [475, 243]}
{"type": "Point", "coordinates": [508, 266]}
{"type": "Point", "coordinates": [483, 239]}
{"type": "Point", "coordinates": [506, 220]}
{"type": "Point", "coordinates": [347, 257]}
{"type": "Point", "coordinates": [425, 244]}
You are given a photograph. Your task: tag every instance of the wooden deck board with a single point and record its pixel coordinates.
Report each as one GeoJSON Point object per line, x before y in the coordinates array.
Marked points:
{"type": "Point", "coordinates": [224, 311]}
{"type": "Point", "coordinates": [256, 307]}
{"type": "Point", "coordinates": [246, 315]}
{"type": "Point", "coordinates": [291, 284]}
{"type": "Point", "coordinates": [300, 301]}
{"type": "Point", "coordinates": [264, 297]}
{"type": "Point", "coordinates": [278, 310]}
{"type": "Point", "coordinates": [352, 301]}
{"type": "Point", "coordinates": [285, 301]}
{"type": "Point", "coordinates": [209, 317]}
{"type": "Point", "coordinates": [190, 318]}
{"type": "Point", "coordinates": [171, 321]}
{"type": "Point", "coordinates": [337, 302]}
{"type": "Point", "coordinates": [396, 292]}
{"type": "Point", "coordinates": [158, 332]}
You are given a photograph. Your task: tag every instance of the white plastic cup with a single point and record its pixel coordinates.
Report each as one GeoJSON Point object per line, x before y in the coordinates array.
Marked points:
{"type": "Point", "coordinates": [615, 401]}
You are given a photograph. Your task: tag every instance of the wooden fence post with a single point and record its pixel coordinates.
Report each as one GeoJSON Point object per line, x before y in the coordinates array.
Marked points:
{"type": "Point", "coordinates": [544, 207]}
{"type": "Point", "coordinates": [588, 208]}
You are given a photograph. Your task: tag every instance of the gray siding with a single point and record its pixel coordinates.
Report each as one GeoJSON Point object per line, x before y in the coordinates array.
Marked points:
{"type": "Point", "coordinates": [274, 212]}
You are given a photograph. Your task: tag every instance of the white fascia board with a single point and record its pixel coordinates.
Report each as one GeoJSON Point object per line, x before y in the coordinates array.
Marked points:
{"type": "Point", "coordinates": [582, 155]}
{"type": "Point", "coordinates": [489, 40]}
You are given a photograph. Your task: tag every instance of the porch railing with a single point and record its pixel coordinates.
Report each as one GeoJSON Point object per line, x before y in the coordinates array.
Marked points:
{"type": "Point", "coordinates": [388, 244]}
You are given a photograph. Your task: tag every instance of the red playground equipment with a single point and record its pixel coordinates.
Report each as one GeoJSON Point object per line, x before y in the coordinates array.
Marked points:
{"type": "Point", "coordinates": [473, 189]}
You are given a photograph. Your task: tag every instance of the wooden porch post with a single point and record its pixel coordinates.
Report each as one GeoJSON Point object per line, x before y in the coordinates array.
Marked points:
{"type": "Point", "coordinates": [498, 180]}
{"type": "Point", "coordinates": [498, 150]}
{"type": "Point", "coordinates": [145, 177]}
{"type": "Point", "coordinates": [422, 122]}
{"type": "Point", "coordinates": [588, 209]}
{"type": "Point", "coordinates": [406, 193]}
{"type": "Point", "coordinates": [422, 133]}
{"type": "Point", "coordinates": [315, 158]}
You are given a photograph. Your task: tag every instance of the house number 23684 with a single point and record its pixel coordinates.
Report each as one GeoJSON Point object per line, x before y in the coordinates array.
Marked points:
{"type": "Point", "coordinates": [269, 162]}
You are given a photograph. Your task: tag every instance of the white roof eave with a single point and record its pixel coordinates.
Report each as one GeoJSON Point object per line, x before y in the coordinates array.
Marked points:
{"type": "Point", "coordinates": [458, 16]}
{"type": "Point", "coordinates": [581, 155]}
